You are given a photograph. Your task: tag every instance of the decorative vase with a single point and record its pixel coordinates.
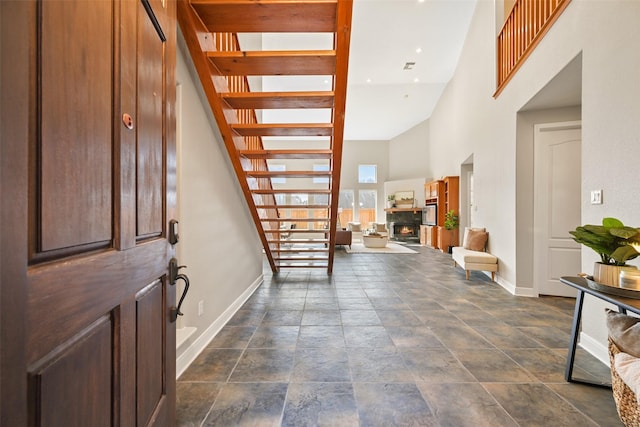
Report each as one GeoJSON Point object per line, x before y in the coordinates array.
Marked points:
{"type": "Point", "coordinates": [609, 274]}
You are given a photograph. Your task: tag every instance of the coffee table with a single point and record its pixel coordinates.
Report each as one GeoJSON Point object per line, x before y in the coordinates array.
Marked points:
{"type": "Point", "coordinates": [373, 241]}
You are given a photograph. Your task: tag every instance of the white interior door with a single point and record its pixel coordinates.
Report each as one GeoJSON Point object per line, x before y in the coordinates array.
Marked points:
{"type": "Point", "coordinates": [557, 189]}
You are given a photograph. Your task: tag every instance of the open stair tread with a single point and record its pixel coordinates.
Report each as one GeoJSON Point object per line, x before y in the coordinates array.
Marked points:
{"type": "Point", "coordinates": [271, 16]}
{"type": "Point", "coordinates": [286, 154]}
{"type": "Point", "coordinates": [289, 191]}
{"type": "Point", "coordinates": [279, 100]}
{"type": "Point", "coordinates": [275, 63]}
{"type": "Point", "coordinates": [283, 129]}
{"type": "Point", "coordinates": [300, 207]}
{"type": "Point", "coordinates": [288, 174]}
{"type": "Point", "coordinates": [310, 219]}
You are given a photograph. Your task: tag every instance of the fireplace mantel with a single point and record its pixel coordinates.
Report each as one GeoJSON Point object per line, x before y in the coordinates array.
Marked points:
{"type": "Point", "coordinates": [392, 210]}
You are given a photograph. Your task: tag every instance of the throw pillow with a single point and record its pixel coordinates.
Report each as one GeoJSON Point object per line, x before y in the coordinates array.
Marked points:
{"type": "Point", "coordinates": [624, 331]}
{"type": "Point", "coordinates": [381, 227]}
{"type": "Point", "coordinates": [628, 368]}
{"type": "Point", "coordinates": [477, 240]}
{"type": "Point", "coordinates": [465, 237]}
{"type": "Point", "coordinates": [354, 226]}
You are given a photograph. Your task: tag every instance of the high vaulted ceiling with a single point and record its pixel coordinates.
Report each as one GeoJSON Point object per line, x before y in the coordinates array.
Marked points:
{"type": "Point", "coordinates": [383, 98]}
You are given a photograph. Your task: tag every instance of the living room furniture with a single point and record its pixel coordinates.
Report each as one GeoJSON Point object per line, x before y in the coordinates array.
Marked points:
{"type": "Point", "coordinates": [472, 254]}
{"type": "Point", "coordinates": [374, 241]}
{"type": "Point", "coordinates": [343, 237]}
{"type": "Point", "coordinates": [624, 305]}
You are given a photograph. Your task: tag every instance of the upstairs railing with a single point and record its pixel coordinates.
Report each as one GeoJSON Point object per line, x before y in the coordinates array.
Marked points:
{"type": "Point", "coordinates": [525, 26]}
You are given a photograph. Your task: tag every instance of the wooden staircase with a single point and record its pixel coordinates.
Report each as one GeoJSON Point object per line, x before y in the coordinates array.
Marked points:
{"type": "Point", "coordinates": [296, 222]}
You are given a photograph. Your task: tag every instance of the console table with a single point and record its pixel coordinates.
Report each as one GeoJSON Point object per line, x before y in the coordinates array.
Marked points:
{"type": "Point", "coordinates": [623, 304]}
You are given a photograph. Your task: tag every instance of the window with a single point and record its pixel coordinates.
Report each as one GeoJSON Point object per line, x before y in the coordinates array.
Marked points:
{"type": "Point", "coordinates": [345, 207]}
{"type": "Point", "coordinates": [278, 168]}
{"type": "Point", "coordinates": [367, 174]}
{"type": "Point", "coordinates": [320, 168]}
{"type": "Point", "coordinates": [367, 200]}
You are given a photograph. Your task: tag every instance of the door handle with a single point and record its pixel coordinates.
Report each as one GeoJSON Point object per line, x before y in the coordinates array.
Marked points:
{"type": "Point", "coordinates": [174, 312]}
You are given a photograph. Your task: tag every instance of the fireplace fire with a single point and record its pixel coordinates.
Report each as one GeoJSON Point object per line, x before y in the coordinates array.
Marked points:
{"type": "Point", "coordinates": [404, 231]}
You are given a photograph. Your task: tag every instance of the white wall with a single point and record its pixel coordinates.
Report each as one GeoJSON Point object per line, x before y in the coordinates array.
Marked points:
{"type": "Point", "coordinates": [468, 120]}
{"type": "Point", "coordinates": [408, 154]}
{"type": "Point", "coordinates": [218, 241]}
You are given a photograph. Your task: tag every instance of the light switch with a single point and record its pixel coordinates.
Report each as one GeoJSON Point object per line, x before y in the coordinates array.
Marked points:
{"type": "Point", "coordinates": [596, 197]}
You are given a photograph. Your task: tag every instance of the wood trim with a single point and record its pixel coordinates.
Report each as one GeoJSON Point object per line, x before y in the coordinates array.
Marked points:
{"type": "Point", "coordinates": [17, 35]}
{"type": "Point", "coordinates": [284, 129]}
{"type": "Point", "coordinates": [342, 42]}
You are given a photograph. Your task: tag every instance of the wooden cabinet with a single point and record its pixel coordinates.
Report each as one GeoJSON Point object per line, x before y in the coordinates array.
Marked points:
{"type": "Point", "coordinates": [447, 238]}
{"type": "Point", "coordinates": [429, 236]}
{"type": "Point", "coordinates": [451, 195]}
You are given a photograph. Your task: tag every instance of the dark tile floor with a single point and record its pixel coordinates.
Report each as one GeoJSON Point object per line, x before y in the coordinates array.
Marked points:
{"type": "Point", "coordinates": [392, 340]}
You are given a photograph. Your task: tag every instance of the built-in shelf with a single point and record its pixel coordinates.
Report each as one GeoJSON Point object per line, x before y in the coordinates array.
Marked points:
{"type": "Point", "coordinates": [183, 334]}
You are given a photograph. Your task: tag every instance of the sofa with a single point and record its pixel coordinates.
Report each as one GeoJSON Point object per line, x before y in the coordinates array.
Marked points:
{"type": "Point", "coordinates": [472, 255]}
{"type": "Point", "coordinates": [343, 237]}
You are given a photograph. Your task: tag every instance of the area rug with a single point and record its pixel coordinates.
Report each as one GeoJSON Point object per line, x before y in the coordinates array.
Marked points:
{"type": "Point", "coordinates": [391, 248]}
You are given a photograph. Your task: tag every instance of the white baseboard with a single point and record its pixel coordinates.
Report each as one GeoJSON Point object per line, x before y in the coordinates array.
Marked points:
{"type": "Point", "coordinates": [595, 348]}
{"type": "Point", "coordinates": [190, 353]}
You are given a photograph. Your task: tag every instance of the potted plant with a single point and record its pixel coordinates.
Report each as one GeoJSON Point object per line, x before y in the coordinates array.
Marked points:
{"type": "Point", "coordinates": [451, 222]}
{"type": "Point", "coordinates": [391, 200]}
{"type": "Point", "coordinates": [615, 243]}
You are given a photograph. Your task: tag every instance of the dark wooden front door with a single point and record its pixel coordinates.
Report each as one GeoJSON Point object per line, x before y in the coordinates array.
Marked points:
{"type": "Point", "coordinates": [90, 126]}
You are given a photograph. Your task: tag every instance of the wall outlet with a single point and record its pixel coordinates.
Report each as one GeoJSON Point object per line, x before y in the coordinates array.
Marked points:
{"type": "Point", "coordinates": [200, 308]}
{"type": "Point", "coordinates": [596, 197]}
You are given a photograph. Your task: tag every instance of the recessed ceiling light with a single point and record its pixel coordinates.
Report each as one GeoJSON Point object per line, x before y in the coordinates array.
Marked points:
{"type": "Point", "coordinates": [418, 50]}
{"type": "Point", "coordinates": [326, 82]}
{"type": "Point", "coordinates": [368, 80]}
{"type": "Point", "coordinates": [416, 80]}
{"type": "Point", "coordinates": [420, 1]}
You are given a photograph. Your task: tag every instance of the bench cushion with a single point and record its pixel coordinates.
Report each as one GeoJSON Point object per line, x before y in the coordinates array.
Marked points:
{"type": "Point", "coordinates": [464, 256]}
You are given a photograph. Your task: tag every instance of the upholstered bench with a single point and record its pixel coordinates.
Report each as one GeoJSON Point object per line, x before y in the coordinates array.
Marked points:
{"type": "Point", "coordinates": [472, 256]}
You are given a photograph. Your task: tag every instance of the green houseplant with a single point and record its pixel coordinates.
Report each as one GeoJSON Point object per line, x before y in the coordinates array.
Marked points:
{"type": "Point", "coordinates": [451, 222]}
{"type": "Point", "coordinates": [614, 242]}
{"type": "Point", "coordinates": [391, 200]}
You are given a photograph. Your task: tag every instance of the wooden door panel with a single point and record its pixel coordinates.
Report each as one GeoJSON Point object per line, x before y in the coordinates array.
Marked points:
{"type": "Point", "coordinates": [74, 386]}
{"type": "Point", "coordinates": [74, 171]}
{"type": "Point", "coordinates": [98, 345]}
{"type": "Point", "coordinates": [150, 314]}
{"type": "Point", "coordinates": [150, 125]}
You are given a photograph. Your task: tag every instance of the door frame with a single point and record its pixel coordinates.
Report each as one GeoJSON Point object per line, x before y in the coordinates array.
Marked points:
{"type": "Point", "coordinates": [14, 130]}
{"type": "Point", "coordinates": [539, 233]}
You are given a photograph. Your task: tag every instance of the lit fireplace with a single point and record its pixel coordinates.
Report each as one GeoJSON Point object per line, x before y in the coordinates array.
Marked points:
{"type": "Point", "coordinates": [404, 231]}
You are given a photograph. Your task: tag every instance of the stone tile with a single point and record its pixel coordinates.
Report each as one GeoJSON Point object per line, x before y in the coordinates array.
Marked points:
{"type": "Point", "coordinates": [267, 336]}
{"type": "Point", "coordinates": [464, 405]}
{"type": "Point", "coordinates": [354, 304]}
{"type": "Point", "coordinates": [492, 365]}
{"type": "Point", "coordinates": [246, 317]}
{"type": "Point", "coordinates": [478, 318]}
{"type": "Point", "coordinates": [398, 318]}
{"type": "Point", "coordinates": [321, 365]}
{"type": "Point", "coordinates": [258, 365]}
{"type": "Point", "coordinates": [536, 405]}
{"type": "Point", "coordinates": [367, 336]}
{"type": "Point", "coordinates": [321, 303]}
{"type": "Point", "coordinates": [232, 337]}
{"type": "Point", "coordinates": [460, 337]}
{"type": "Point", "coordinates": [435, 365]}
{"type": "Point", "coordinates": [289, 303]}
{"type": "Point", "coordinates": [321, 337]}
{"type": "Point", "coordinates": [248, 404]}
{"type": "Point", "coordinates": [320, 404]}
{"type": "Point", "coordinates": [546, 365]}
{"type": "Point", "coordinates": [548, 336]}
{"type": "Point", "coordinates": [506, 337]}
{"type": "Point", "coordinates": [360, 317]}
{"type": "Point", "coordinates": [212, 365]}
{"type": "Point", "coordinates": [193, 401]}
{"type": "Point", "coordinates": [377, 365]}
{"type": "Point", "coordinates": [597, 403]}
{"type": "Point", "coordinates": [413, 336]}
{"type": "Point", "coordinates": [321, 317]}
{"type": "Point", "coordinates": [398, 404]}
{"type": "Point", "coordinates": [282, 318]}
